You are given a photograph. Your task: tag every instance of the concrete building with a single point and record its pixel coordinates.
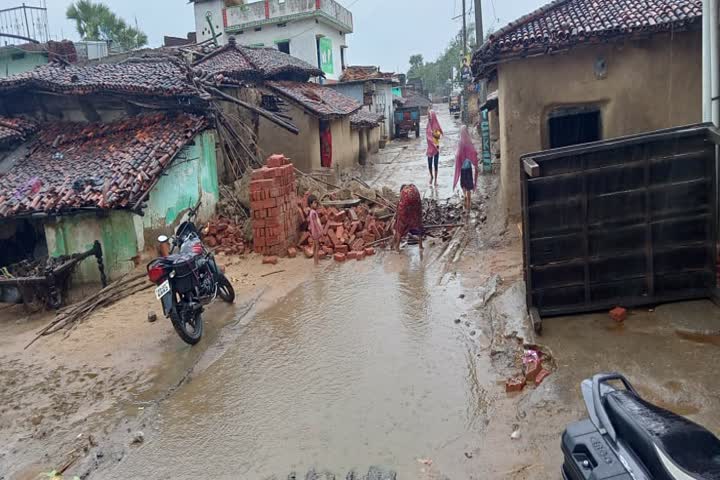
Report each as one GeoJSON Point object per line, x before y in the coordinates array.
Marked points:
{"type": "Point", "coordinates": [312, 30]}
{"type": "Point", "coordinates": [563, 78]}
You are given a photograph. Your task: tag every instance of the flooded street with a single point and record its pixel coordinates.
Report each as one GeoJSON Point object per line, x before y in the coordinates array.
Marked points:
{"type": "Point", "coordinates": [363, 365]}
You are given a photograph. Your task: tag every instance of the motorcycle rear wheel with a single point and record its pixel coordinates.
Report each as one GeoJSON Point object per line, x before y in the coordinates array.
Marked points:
{"type": "Point", "coordinates": [225, 289]}
{"type": "Point", "coordinates": [182, 318]}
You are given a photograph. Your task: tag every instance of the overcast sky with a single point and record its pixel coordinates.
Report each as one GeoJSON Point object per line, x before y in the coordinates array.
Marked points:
{"type": "Point", "coordinates": [387, 32]}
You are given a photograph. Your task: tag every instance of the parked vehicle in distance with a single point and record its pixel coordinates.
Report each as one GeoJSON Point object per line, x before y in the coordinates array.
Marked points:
{"type": "Point", "coordinates": [455, 104]}
{"type": "Point", "coordinates": [407, 119]}
{"type": "Point", "coordinates": [188, 280]}
{"type": "Point", "coordinates": [628, 438]}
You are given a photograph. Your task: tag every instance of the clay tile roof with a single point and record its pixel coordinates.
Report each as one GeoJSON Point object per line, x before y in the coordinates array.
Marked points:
{"type": "Point", "coordinates": [160, 77]}
{"type": "Point", "coordinates": [70, 166]}
{"type": "Point", "coordinates": [564, 23]}
{"type": "Point", "coordinates": [15, 130]}
{"type": "Point", "coordinates": [365, 119]}
{"type": "Point", "coordinates": [242, 63]}
{"type": "Point", "coordinates": [275, 64]}
{"type": "Point", "coordinates": [357, 73]}
{"type": "Point", "coordinates": [321, 101]}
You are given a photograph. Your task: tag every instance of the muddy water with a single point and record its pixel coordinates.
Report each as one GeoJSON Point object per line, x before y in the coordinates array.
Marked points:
{"type": "Point", "coordinates": [362, 366]}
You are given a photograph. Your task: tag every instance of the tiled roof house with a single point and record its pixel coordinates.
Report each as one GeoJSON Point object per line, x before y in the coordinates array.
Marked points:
{"type": "Point", "coordinates": [575, 71]}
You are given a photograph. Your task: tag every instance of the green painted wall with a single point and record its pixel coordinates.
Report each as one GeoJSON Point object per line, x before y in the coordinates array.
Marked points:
{"type": "Point", "coordinates": [124, 235]}
{"type": "Point", "coordinates": [192, 175]}
{"type": "Point", "coordinates": [77, 233]}
{"type": "Point", "coordinates": [12, 66]}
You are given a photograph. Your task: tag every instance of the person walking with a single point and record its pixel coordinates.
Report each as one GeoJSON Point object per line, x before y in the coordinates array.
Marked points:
{"type": "Point", "coordinates": [433, 133]}
{"type": "Point", "coordinates": [315, 227]}
{"type": "Point", "coordinates": [466, 159]}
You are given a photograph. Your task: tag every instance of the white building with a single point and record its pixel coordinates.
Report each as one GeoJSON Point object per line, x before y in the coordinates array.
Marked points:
{"type": "Point", "coordinates": [311, 30]}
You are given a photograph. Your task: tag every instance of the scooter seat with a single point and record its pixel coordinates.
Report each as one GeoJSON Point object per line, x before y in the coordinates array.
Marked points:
{"type": "Point", "coordinates": [670, 446]}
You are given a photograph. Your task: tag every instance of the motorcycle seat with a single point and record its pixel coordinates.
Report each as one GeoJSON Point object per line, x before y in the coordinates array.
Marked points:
{"type": "Point", "coordinates": [670, 446]}
{"type": "Point", "coordinates": [176, 260]}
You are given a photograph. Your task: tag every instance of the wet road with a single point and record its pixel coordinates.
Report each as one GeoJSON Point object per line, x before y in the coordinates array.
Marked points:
{"type": "Point", "coordinates": [364, 365]}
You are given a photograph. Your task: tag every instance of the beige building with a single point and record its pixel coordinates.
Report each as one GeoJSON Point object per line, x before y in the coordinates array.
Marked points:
{"type": "Point", "coordinates": [323, 117]}
{"type": "Point", "coordinates": [562, 78]}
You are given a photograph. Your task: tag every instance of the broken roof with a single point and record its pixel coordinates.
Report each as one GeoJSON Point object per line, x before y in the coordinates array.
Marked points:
{"type": "Point", "coordinates": [15, 130]}
{"type": "Point", "coordinates": [156, 77]}
{"type": "Point", "coordinates": [71, 166]}
{"type": "Point", "coordinates": [360, 73]}
{"type": "Point", "coordinates": [564, 23]}
{"type": "Point", "coordinates": [365, 119]}
{"type": "Point", "coordinates": [321, 101]}
{"type": "Point", "coordinates": [243, 63]}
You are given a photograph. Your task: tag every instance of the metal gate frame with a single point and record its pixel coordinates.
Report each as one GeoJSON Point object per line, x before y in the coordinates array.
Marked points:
{"type": "Point", "coordinates": [629, 221]}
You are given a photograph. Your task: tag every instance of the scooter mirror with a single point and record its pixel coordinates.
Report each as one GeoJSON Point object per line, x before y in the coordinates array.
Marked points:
{"type": "Point", "coordinates": [163, 239]}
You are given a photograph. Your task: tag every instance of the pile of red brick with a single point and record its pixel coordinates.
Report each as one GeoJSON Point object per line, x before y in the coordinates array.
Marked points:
{"type": "Point", "coordinates": [224, 236]}
{"type": "Point", "coordinates": [348, 234]}
{"type": "Point", "coordinates": [273, 203]}
{"type": "Point", "coordinates": [533, 372]}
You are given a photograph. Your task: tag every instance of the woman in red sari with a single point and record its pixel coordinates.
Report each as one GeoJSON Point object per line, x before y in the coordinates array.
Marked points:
{"type": "Point", "coordinates": [433, 133]}
{"type": "Point", "coordinates": [409, 218]}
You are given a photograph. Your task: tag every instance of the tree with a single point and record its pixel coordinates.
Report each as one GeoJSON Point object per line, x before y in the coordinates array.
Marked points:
{"type": "Point", "coordinates": [436, 74]}
{"type": "Point", "coordinates": [95, 21]}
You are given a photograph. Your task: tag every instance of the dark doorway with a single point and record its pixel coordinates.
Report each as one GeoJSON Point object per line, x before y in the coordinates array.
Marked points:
{"type": "Point", "coordinates": [284, 46]}
{"type": "Point", "coordinates": [325, 144]}
{"type": "Point", "coordinates": [571, 126]}
{"type": "Point", "coordinates": [21, 240]}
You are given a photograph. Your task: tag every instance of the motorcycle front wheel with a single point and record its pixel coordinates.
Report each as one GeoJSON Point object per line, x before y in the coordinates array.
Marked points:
{"type": "Point", "coordinates": [188, 324]}
{"type": "Point", "coordinates": [225, 289]}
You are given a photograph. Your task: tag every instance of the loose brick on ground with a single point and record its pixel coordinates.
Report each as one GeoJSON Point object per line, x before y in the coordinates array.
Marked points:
{"type": "Point", "coordinates": [273, 260]}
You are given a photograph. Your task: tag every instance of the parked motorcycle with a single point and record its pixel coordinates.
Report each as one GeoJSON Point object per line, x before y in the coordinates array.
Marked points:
{"type": "Point", "coordinates": [188, 280]}
{"type": "Point", "coordinates": [627, 437]}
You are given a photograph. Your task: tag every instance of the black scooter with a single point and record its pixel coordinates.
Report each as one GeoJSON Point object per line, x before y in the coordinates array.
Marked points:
{"type": "Point", "coordinates": [628, 438]}
{"type": "Point", "coordinates": [188, 280]}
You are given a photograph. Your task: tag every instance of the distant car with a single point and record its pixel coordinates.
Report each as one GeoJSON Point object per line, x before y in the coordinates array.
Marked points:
{"type": "Point", "coordinates": [407, 119]}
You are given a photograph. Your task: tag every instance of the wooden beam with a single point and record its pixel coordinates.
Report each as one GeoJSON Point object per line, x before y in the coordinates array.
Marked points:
{"type": "Point", "coordinates": [263, 113]}
{"type": "Point", "coordinates": [531, 168]}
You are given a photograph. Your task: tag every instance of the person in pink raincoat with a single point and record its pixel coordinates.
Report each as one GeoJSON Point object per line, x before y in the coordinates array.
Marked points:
{"type": "Point", "coordinates": [433, 132]}
{"type": "Point", "coordinates": [466, 159]}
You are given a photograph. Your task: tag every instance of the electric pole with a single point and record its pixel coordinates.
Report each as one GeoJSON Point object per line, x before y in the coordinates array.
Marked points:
{"type": "Point", "coordinates": [464, 30]}
{"type": "Point", "coordinates": [479, 32]}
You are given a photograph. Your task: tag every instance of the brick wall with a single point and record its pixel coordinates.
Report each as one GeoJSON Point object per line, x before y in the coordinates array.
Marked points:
{"type": "Point", "coordinates": [273, 204]}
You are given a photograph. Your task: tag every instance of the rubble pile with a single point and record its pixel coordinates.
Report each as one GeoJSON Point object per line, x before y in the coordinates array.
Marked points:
{"type": "Point", "coordinates": [274, 207]}
{"type": "Point", "coordinates": [349, 233]}
{"type": "Point", "coordinates": [225, 236]}
{"type": "Point", "coordinates": [447, 212]}
{"type": "Point", "coordinates": [33, 268]}
{"type": "Point", "coordinates": [533, 370]}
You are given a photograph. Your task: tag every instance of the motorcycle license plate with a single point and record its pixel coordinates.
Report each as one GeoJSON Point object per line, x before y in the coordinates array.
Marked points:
{"type": "Point", "coordinates": [163, 289]}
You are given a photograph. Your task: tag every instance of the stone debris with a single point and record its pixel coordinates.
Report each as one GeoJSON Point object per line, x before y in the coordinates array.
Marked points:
{"type": "Point", "coordinates": [225, 236]}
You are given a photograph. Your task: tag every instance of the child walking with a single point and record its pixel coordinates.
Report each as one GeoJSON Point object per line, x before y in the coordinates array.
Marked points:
{"type": "Point", "coordinates": [466, 159]}
{"type": "Point", "coordinates": [315, 226]}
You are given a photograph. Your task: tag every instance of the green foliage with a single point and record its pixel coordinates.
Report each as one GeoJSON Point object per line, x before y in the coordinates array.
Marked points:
{"type": "Point", "coordinates": [437, 75]}
{"type": "Point", "coordinates": [95, 21]}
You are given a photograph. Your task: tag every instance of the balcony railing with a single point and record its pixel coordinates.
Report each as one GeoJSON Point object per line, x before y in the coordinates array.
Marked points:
{"type": "Point", "coordinates": [267, 11]}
